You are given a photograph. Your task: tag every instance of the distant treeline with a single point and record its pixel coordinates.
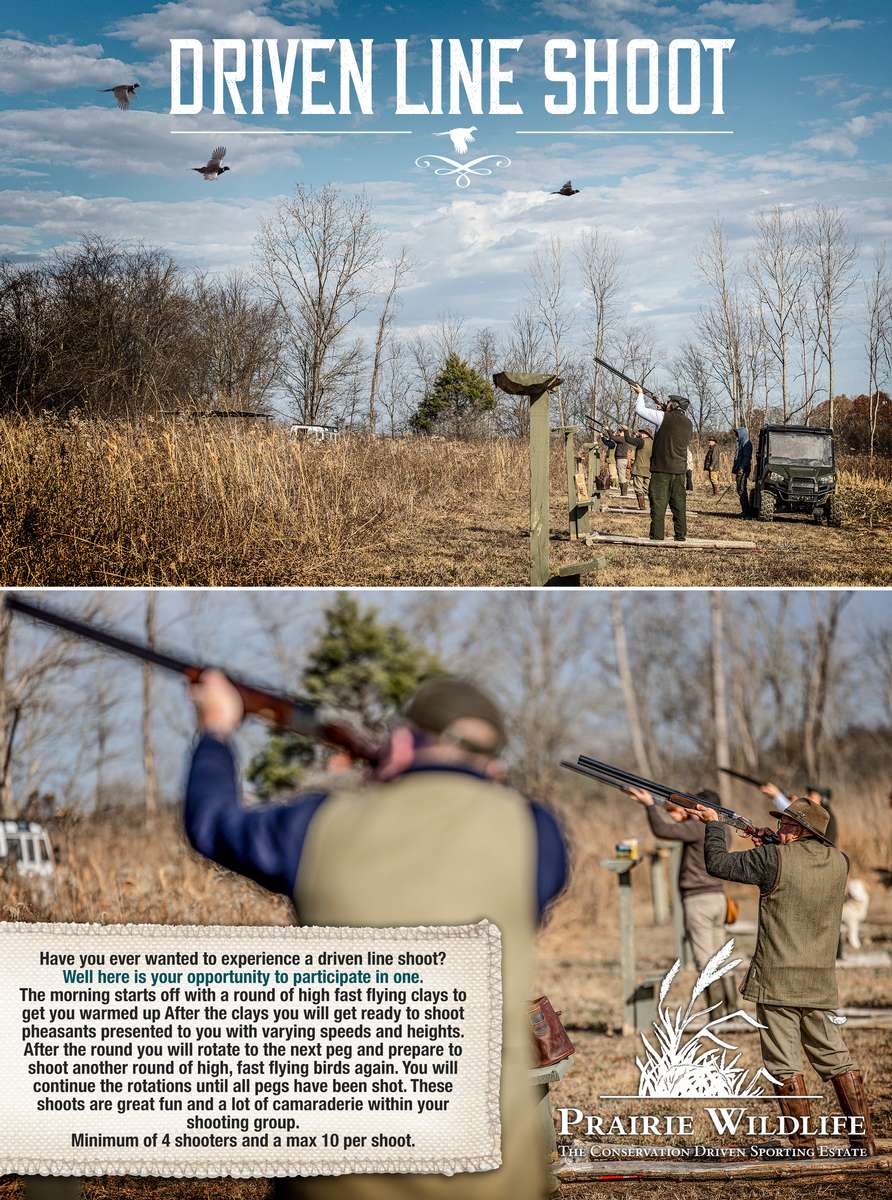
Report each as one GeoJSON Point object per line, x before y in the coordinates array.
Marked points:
{"type": "Point", "coordinates": [123, 331]}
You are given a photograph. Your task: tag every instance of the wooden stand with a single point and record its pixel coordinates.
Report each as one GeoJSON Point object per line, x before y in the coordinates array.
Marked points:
{"type": "Point", "coordinates": [622, 868]}
{"type": "Point", "coordinates": [537, 389]}
{"type": "Point", "coordinates": [622, 539]}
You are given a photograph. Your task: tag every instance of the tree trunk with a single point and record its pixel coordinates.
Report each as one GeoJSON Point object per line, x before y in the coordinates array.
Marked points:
{"type": "Point", "coordinates": [628, 685]}
{"type": "Point", "coordinates": [719, 699]}
{"type": "Point", "coordinates": [148, 747]}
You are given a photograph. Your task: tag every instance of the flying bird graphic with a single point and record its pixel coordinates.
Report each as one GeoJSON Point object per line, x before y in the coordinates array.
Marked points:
{"type": "Point", "coordinates": [461, 138]}
{"type": "Point", "coordinates": [123, 93]}
{"type": "Point", "coordinates": [212, 169]}
{"type": "Point", "coordinates": [567, 190]}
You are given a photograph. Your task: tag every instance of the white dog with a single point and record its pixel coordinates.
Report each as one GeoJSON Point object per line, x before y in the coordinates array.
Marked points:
{"type": "Point", "coordinates": [854, 910]}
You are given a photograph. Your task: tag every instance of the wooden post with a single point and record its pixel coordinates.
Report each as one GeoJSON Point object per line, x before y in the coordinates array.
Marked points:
{"type": "Point", "coordinates": [540, 521]}
{"type": "Point", "coordinates": [627, 937]}
{"type": "Point", "coordinates": [623, 869]}
{"type": "Point", "coordinates": [658, 885]}
{"type": "Point", "coordinates": [594, 470]}
{"type": "Point", "coordinates": [577, 505]}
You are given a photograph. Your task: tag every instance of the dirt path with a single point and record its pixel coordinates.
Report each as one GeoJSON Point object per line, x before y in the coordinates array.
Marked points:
{"type": "Point", "coordinates": [488, 545]}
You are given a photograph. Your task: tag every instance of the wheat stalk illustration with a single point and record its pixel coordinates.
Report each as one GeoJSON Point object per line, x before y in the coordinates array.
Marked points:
{"type": "Point", "coordinates": [678, 1065]}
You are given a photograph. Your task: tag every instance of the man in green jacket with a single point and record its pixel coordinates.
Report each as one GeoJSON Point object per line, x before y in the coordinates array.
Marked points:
{"type": "Point", "coordinates": [642, 443]}
{"type": "Point", "coordinates": [668, 464]}
{"type": "Point", "coordinates": [792, 975]}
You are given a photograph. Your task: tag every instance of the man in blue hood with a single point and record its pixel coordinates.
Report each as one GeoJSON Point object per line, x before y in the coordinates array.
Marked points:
{"type": "Point", "coordinates": [743, 461]}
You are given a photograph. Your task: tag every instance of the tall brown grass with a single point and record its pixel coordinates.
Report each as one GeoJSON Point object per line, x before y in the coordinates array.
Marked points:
{"type": "Point", "coordinates": [175, 503]}
{"type": "Point", "coordinates": [169, 504]}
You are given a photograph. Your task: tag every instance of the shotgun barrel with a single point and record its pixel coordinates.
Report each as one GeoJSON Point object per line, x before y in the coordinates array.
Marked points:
{"type": "Point", "coordinates": [627, 379]}
{"type": "Point", "coordinates": [287, 712]}
{"type": "Point", "coordinates": [623, 781]}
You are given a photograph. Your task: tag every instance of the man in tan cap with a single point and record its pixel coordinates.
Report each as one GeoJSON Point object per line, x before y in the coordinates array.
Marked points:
{"type": "Point", "coordinates": [434, 839]}
{"type": "Point", "coordinates": [792, 975]}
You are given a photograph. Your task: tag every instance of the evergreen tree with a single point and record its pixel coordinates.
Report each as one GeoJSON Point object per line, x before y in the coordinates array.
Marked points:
{"type": "Point", "coordinates": [458, 397]}
{"type": "Point", "coordinates": [360, 664]}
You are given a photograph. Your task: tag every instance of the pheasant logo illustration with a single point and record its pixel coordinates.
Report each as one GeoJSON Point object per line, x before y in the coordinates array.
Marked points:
{"type": "Point", "coordinates": [681, 1061]}
{"type": "Point", "coordinates": [461, 139]}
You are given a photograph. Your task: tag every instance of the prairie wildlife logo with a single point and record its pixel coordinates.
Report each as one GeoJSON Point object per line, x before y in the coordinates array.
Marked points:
{"type": "Point", "coordinates": [679, 1065]}
{"type": "Point", "coordinates": [461, 139]}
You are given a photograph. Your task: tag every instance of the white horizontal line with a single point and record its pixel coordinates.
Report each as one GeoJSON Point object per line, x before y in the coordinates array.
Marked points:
{"type": "Point", "coordinates": [627, 132]}
{"type": "Point", "coordinates": [292, 132]}
{"type": "Point", "coordinates": [689, 1098]}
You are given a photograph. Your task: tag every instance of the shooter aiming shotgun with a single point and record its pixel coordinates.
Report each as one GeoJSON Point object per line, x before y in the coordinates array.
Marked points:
{"type": "Point", "coordinates": [286, 712]}
{"type": "Point", "coordinates": [624, 781]}
{"type": "Point", "coordinates": [631, 382]}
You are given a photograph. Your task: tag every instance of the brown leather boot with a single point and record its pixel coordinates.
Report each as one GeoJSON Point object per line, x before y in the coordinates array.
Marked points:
{"type": "Point", "coordinates": [795, 1086]}
{"type": "Point", "coordinates": [852, 1098]}
{"type": "Point", "coordinates": [642, 501]}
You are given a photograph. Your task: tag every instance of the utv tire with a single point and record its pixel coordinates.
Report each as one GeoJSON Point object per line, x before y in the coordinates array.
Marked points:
{"type": "Point", "coordinates": [767, 506]}
{"type": "Point", "coordinates": [835, 511]}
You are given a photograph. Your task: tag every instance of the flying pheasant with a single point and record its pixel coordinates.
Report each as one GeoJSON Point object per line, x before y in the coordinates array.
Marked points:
{"type": "Point", "coordinates": [567, 190]}
{"type": "Point", "coordinates": [123, 93]}
{"type": "Point", "coordinates": [212, 167]}
{"type": "Point", "coordinates": [461, 138]}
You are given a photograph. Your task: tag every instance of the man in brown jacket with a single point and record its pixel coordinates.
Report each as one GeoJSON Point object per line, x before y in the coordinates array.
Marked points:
{"type": "Point", "coordinates": [703, 898]}
{"type": "Point", "coordinates": [792, 975]}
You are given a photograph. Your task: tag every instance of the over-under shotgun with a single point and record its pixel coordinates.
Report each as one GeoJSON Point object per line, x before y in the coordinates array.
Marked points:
{"type": "Point", "coordinates": [287, 712]}
{"type": "Point", "coordinates": [626, 379]}
{"type": "Point", "coordinates": [623, 781]}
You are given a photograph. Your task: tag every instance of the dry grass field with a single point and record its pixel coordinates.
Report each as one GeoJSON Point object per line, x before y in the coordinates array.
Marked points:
{"type": "Point", "coordinates": [117, 870]}
{"type": "Point", "coordinates": [215, 503]}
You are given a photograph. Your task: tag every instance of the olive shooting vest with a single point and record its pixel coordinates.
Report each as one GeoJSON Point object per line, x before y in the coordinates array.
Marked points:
{"type": "Point", "coordinates": [438, 848]}
{"type": "Point", "coordinates": [794, 963]}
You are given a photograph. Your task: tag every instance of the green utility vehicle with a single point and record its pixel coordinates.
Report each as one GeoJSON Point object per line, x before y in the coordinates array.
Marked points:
{"type": "Point", "coordinates": [796, 472]}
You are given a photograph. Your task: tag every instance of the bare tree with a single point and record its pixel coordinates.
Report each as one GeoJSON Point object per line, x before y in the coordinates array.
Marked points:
{"type": "Point", "coordinates": [399, 269]}
{"type": "Point", "coordinates": [833, 255]}
{"type": "Point", "coordinates": [237, 343]}
{"type": "Point", "coordinates": [449, 335]}
{"type": "Point", "coordinates": [778, 269]}
{"type": "Point", "coordinates": [627, 683]}
{"type": "Point", "coordinates": [599, 264]}
{"type": "Point", "coordinates": [317, 255]}
{"type": "Point", "coordinates": [819, 655]}
{"type": "Point", "coordinates": [719, 695]}
{"type": "Point", "coordinates": [731, 333]}
{"type": "Point", "coordinates": [635, 350]}
{"type": "Point", "coordinates": [546, 293]}
{"type": "Point", "coordinates": [692, 377]}
{"type": "Point", "coordinates": [878, 338]}
{"type": "Point", "coordinates": [808, 318]}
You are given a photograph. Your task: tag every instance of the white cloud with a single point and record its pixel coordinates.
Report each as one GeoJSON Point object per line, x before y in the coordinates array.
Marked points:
{"type": "Point", "coordinates": [789, 51]}
{"type": "Point", "coordinates": [207, 19]}
{"type": "Point", "coordinates": [35, 67]}
{"type": "Point", "coordinates": [844, 139]}
{"type": "Point", "coordinates": [107, 141]}
{"type": "Point", "coordinates": [781, 15]}
{"type": "Point", "coordinates": [210, 233]}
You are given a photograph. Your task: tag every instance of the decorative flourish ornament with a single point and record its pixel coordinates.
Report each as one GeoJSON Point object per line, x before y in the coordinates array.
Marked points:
{"type": "Point", "coordinates": [462, 171]}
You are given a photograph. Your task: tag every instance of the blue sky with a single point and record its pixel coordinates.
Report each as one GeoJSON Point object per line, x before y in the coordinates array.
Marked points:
{"type": "Point", "coordinates": [807, 95]}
